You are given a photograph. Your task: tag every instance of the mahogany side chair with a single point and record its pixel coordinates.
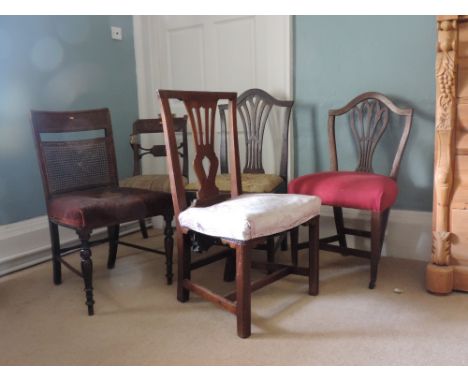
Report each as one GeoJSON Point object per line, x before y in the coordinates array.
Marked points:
{"type": "Point", "coordinates": [79, 174]}
{"type": "Point", "coordinates": [237, 220]}
{"type": "Point", "coordinates": [369, 116]}
{"type": "Point", "coordinates": [154, 182]}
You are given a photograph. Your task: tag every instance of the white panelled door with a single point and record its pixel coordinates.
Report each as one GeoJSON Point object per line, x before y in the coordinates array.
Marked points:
{"type": "Point", "coordinates": [215, 53]}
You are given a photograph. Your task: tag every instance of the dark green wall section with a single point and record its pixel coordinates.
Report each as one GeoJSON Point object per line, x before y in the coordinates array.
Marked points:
{"type": "Point", "coordinates": [58, 63]}
{"type": "Point", "coordinates": [339, 57]}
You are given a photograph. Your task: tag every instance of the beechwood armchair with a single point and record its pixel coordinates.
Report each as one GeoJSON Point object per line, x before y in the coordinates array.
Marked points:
{"type": "Point", "coordinates": [237, 220]}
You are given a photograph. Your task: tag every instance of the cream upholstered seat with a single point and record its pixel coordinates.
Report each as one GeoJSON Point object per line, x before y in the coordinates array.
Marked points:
{"type": "Point", "coordinates": [249, 216]}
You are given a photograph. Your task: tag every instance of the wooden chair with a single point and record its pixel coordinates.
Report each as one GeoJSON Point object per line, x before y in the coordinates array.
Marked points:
{"type": "Point", "coordinates": [254, 106]}
{"type": "Point", "coordinates": [369, 116]}
{"type": "Point", "coordinates": [79, 174]}
{"type": "Point", "coordinates": [154, 182]}
{"type": "Point", "coordinates": [239, 221]}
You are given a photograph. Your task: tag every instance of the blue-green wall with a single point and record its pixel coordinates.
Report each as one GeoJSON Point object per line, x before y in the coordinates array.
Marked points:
{"type": "Point", "coordinates": [339, 57]}
{"type": "Point", "coordinates": [58, 63]}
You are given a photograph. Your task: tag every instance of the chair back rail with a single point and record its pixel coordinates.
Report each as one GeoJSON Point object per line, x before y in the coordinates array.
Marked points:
{"type": "Point", "coordinates": [151, 126]}
{"type": "Point", "coordinates": [200, 108]}
{"type": "Point", "coordinates": [368, 120]}
{"type": "Point", "coordinates": [254, 107]}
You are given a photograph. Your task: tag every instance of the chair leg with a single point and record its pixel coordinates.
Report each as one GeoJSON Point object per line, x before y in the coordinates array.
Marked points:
{"type": "Point", "coordinates": [168, 247]}
{"type": "Point", "coordinates": [294, 245]}
{"type": "Point", "coordinates": [87, 270]}
{"type": "Point", "coordinates": [55, 242]}
{"type": "Point", "coordinates": [230, 268]}
{"type": "Point", "coordinates": [314, 256]}
{"type": "Point", "coordinates": [270, 250]}
{"type": "Point", "coordinates": [377, 233]}
{"type": "Point", "coordinates": [284, 243]}
{"type": "Point", "coordinates": [143, 229]}
{"type": "Point", "coordinates": [113, 233]}
{"type": "Point", "coordinates": [339, 223]}
{"type": "Point", "coordinates": [183, 265]}
{"type": "Point", "coordinates": [243, 291]}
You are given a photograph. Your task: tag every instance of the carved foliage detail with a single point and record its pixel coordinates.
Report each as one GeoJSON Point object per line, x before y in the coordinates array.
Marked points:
{"type": "Point", "coordinates": [445, 73]}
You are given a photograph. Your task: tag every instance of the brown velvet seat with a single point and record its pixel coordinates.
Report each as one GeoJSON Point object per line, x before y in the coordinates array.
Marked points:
{"type": "Point", "coordinates": [79, 174]}
{"type": "Point", "coordinates": [102, 207]}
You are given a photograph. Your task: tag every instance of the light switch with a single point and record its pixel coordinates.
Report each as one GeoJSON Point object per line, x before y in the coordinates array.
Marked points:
{"type": "Point", "coordinates": [116, 33]}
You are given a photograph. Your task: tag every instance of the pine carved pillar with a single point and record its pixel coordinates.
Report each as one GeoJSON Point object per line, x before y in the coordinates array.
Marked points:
{"type": "Point", "coordinates": [439, 273]}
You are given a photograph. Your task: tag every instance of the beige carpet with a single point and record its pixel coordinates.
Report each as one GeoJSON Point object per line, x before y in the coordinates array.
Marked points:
{"type": "Point", "coordinates": [138, 320]}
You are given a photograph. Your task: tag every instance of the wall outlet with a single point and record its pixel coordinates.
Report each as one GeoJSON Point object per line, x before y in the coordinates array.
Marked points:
{"type": "Point", "coordinates": [116, 33]}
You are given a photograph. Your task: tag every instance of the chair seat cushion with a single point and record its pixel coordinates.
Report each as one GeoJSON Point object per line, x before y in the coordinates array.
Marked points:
{"type": "Point", "coordinates": [103, 207]}
{"type": "Point", "coordinates": [360, 190]}
{"type": "Point", "coordinates": [251, 183]}
{"type": "Point", "coordinates": [153, 182]}
{"type": "Point", "coordinates": [250, 216]}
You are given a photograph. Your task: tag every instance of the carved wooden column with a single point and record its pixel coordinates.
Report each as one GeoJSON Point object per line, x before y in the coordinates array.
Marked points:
{"type": "Point", "coordinates": [439, 274]}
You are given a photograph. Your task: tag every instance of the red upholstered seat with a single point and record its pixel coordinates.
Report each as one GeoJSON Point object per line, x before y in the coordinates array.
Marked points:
{"type": "Point", "coordinates": [360, 190]}
{"type": "Point", "coordinates": [103, 207]}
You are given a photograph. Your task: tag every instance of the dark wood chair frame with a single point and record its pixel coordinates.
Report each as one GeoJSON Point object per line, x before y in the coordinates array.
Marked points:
{"type": "Point", "coordinates": [46, 122]}
{"type": "Point", "coordinates": [254, 107]}
{"type": "Point", "coordinates": [154, 126]}
{"type": "Point", "coordinates": [201, 106]}
{"type": "Point", "coordinates": [367, 135]}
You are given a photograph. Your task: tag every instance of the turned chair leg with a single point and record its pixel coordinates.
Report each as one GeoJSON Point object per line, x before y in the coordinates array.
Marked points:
{"type": "Point", "coordinates": [339, 224]}
{"type": "Point", "coordinates": [313, 256]}
{"type": "Point", "coordinates": [55, 242]}
{"type": "Point", "coordinates": [183, 266]}
{"type": "Point", "coordinates": [243, 292]}
{"type": "Point", "coordinates": [168, 247]}
{"type": "Point", "coordinates": [87, 270]}
{"type": "Point", "coordinates": [113, 234]}
{"type": "Point", "coordinates": [143, 229]}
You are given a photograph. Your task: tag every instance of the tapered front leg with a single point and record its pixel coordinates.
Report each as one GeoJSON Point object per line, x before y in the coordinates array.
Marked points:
{"type": "Point", "coordinates": [168, 246]}
{"type": "Point", "coordinates": [376, 245]}
{"type": "Point", "coordinates": [243, 291]}
{"type": "Point", "coordinates": [87, 270]}
{"type": "Point", "coordinates": [113, 233]}
{"type": "Point", "coordinates": [55, 242]}
{"type": "Point", "coordinates": [314, 256]}
{"type": "Point", "coordinates": [183, 265]}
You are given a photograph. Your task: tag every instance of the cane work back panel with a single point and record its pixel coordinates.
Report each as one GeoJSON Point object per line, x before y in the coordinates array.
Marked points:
{"type": "Point", "coordinates": [74, 164]}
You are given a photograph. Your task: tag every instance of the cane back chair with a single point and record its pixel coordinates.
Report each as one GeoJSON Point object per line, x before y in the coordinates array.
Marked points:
{"type": "Point", "coordinates": [79, 174]}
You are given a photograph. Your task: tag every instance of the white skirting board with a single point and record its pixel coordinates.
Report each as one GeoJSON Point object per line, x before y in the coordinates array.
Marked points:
{"type": "Point", "coordinates": [408, 236]}
{"type": "Point", "coordinates": [27, 242]}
